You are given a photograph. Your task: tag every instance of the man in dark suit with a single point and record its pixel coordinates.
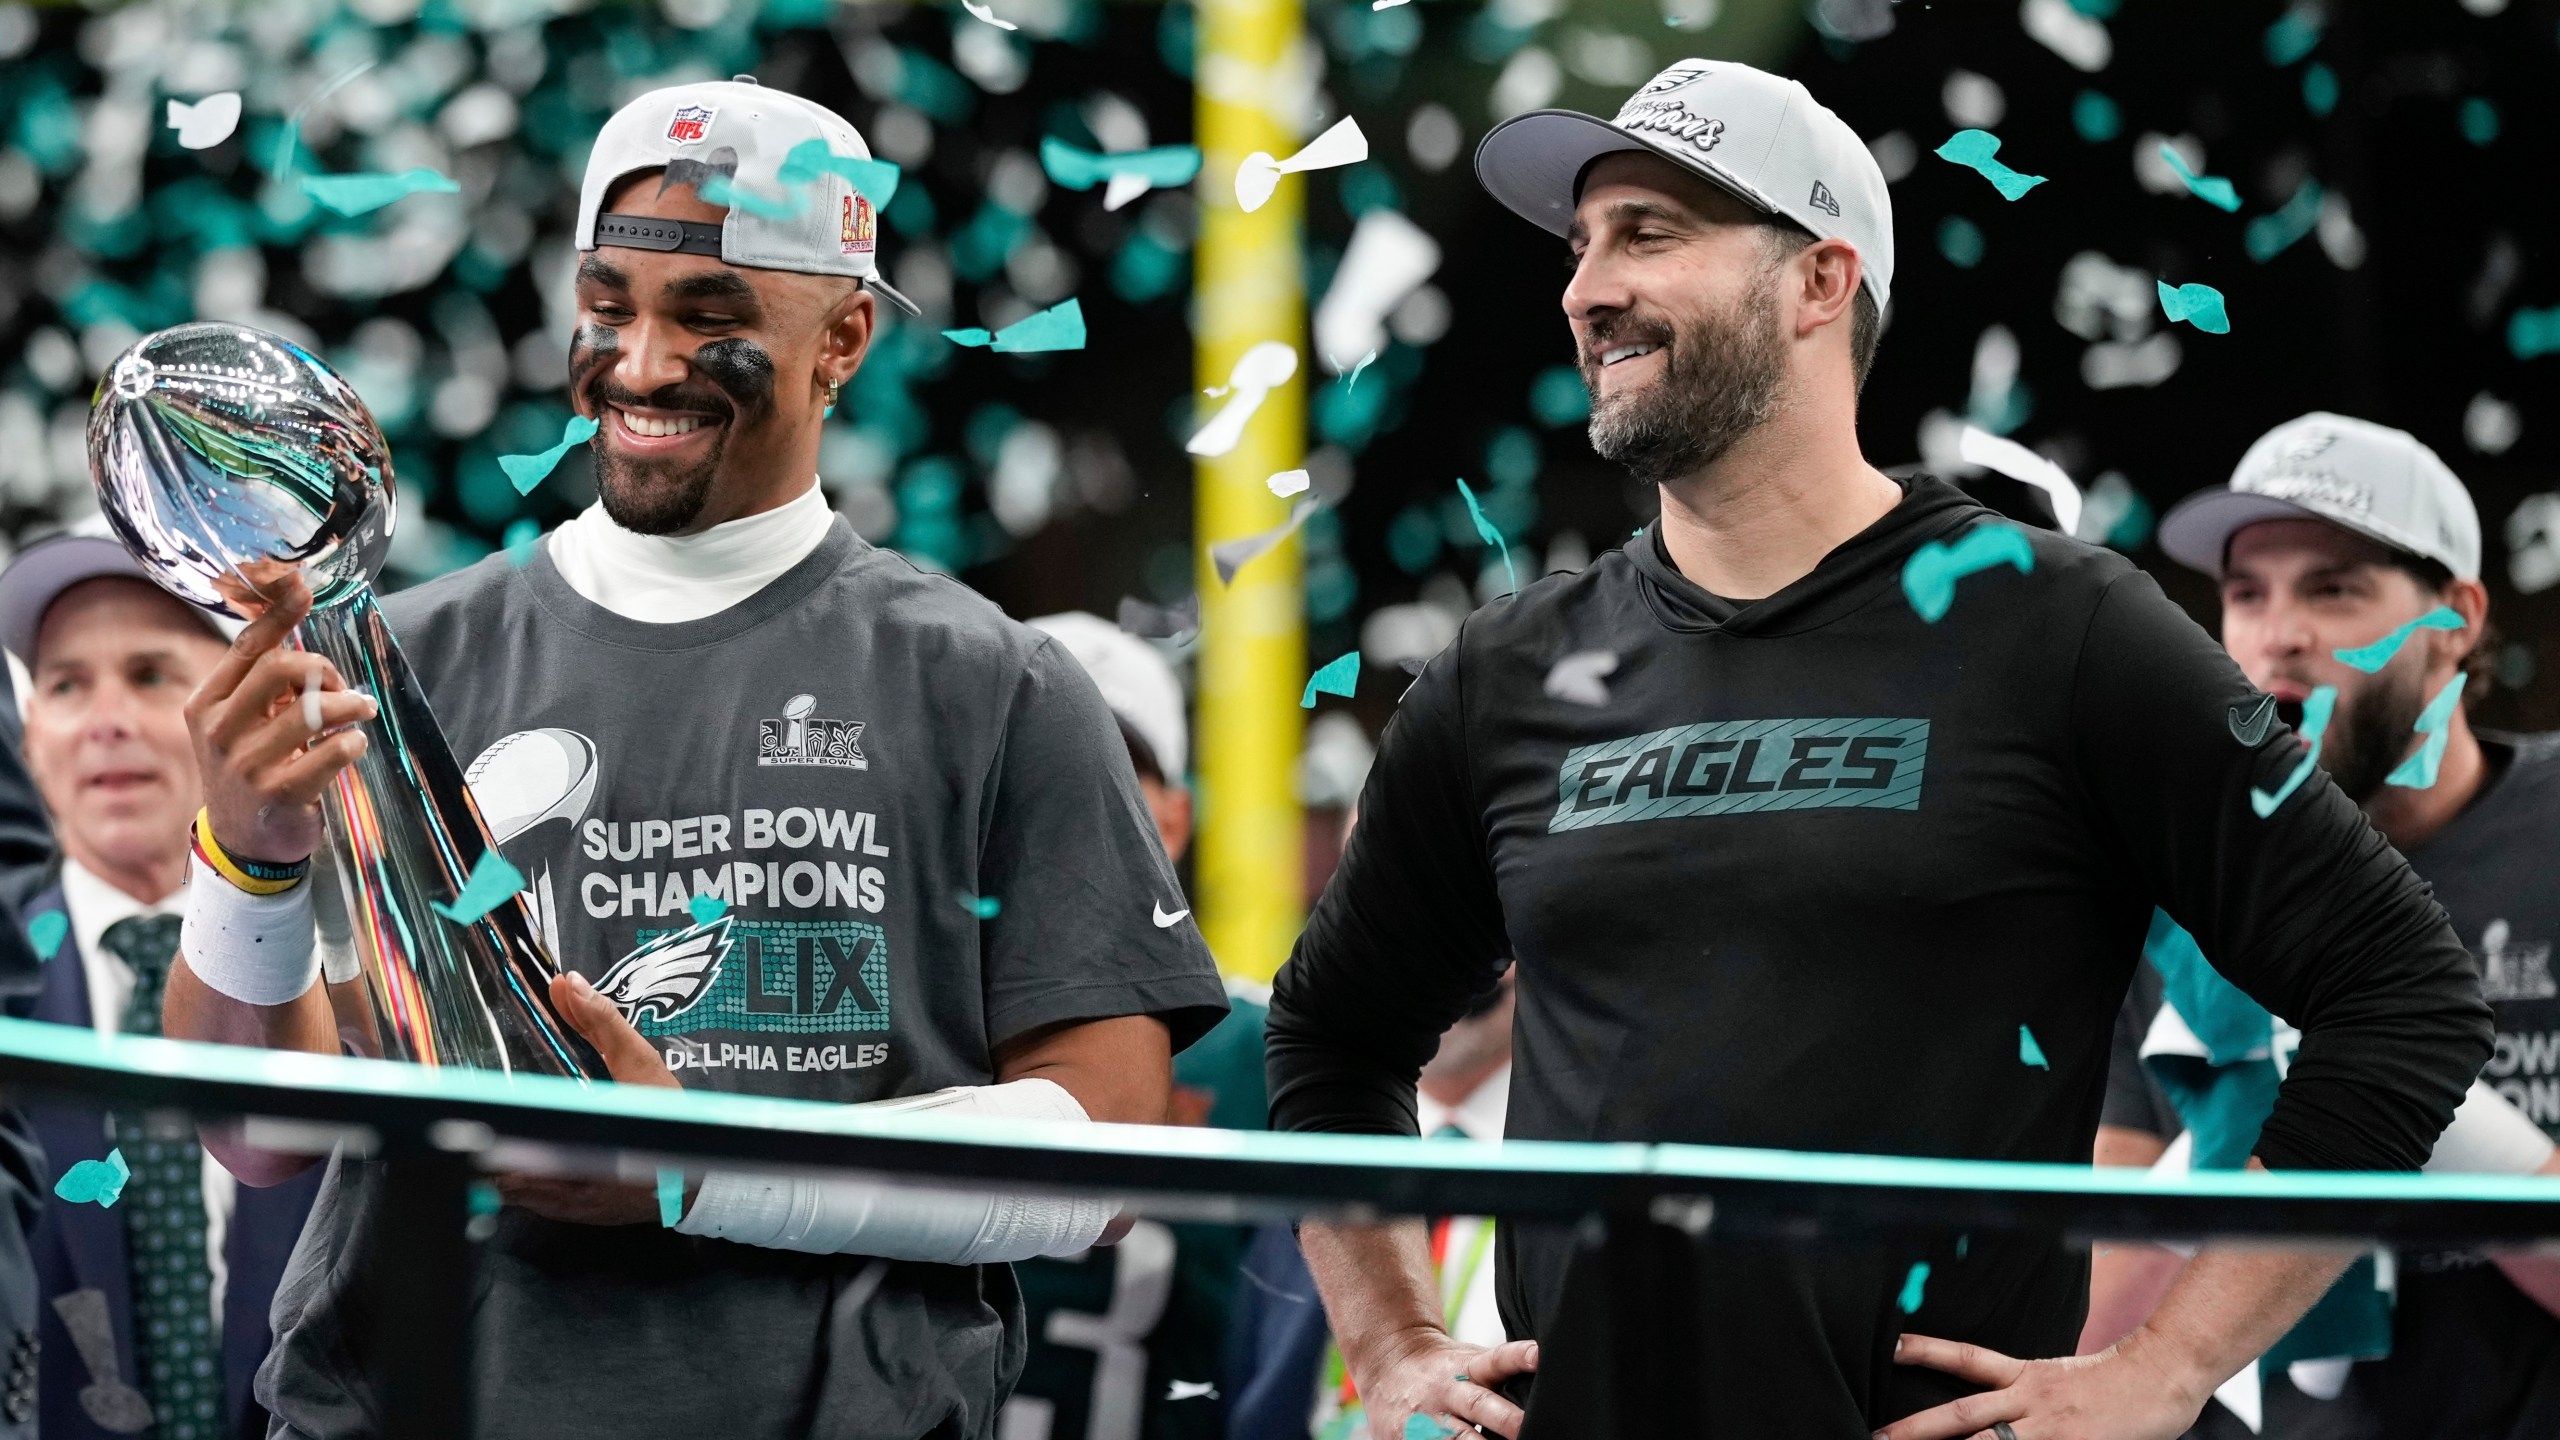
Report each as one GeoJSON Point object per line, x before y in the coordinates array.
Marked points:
{"type": "Point", "coordinates": [155, 1311]}
{"type": "Point", "coordinates": [26, 852]}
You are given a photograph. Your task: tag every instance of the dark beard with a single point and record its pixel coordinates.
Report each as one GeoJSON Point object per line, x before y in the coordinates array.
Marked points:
{"type": "Point", "coordinates": [1719, 382]}
{"type": "Point", "coordinates": [733, 380]}
{"type": "Point", "coordinates": [656, 499]}
{"type": "Point", "coordinates": [2369, 737]}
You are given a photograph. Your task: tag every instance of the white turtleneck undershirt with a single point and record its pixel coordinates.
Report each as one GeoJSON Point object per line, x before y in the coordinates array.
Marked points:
{"type": "Point", "coordinates": [667, 579]}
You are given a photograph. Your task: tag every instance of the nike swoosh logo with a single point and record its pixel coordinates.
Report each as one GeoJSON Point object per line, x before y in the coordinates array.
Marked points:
{"type": "Point", "coordinates": [1167, 922]}
{"type": "Point", "coordinates": [2249, 725]}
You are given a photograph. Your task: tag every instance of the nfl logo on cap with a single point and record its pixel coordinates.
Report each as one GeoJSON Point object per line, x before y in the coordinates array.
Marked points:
{"type": "Point", "coordinates": [690, 124]}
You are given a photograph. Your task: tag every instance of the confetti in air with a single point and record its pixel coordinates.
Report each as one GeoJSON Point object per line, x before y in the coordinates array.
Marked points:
{"type": "Point", "coordinates": [1929, 577]}
{"type": "Point", "coordinates": [1339, 676]}
{"type": "Point", "coordinates": [725, 190]}
{"type": "Point", "coordinates": [2371, 658]}
{"type": "Point", "coordinates": [1257, 371]}
{"type": "Point", "coordinates": [1913, 1285]}
{"type": "Point", "coordinates": [1124, 174]}
{"type": "Point", "coordinates": [1973, 149]}
{"type": "Point", "coordinates": [670, 1197]}
{"type": "Point", "coordinates": [99, 1182]}
{"type": "Point", "coordinates": [363, 194]}
{"type": "Point", "coordinates": [1150, 621]}
{"type": "Point", "coordinates": [1259, 175]}
{"type": "Point", "coordinates": [988, 14]}
{"type": "Point", "coordinates": [1577, 678]}
{"type": "Point", "coordinates": [2315, 721]}
{"type": "Point", "coordinates": [2418, 772]}
{"type": "Point", "coordinates": [875, 180]}
{"type": "Point", "coordinates": [206, 123]}
{"type": "Point", "coordinates": [526, 471]}
{"type": "Point", "coordinates": [2198, 304]}
{"type": "Point", "coordinates": [1286, 483]}
{"type": "Point", "coordinates": [1060, 327]}
{"type": "Point", "coordinates": [985, 907]}
{"type": "Point", "coordinates": [47, 932]}
{"type": "Point", "coordinates": [2211, 189]}
{"type": "Point", "coordinates": [2029, 1052]}
{"type": "Point", "coordinates": [1486, 532]}
{"type": "Point", "coordinates": [493, 881]}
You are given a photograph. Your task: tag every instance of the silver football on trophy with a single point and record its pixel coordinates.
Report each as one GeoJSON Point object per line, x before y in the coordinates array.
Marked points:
{"type": "Point", "coordinates": [223, 453]}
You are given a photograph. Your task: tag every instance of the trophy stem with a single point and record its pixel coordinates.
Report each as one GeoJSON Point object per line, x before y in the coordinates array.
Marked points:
{"type": "Point", "coordinates": [405, 834]}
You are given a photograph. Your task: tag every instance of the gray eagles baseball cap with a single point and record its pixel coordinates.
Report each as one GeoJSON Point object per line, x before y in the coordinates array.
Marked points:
{"type": "Point", "coordinates": [2381, 483]}
{"type": "Point", "coordinates": [740, 129]}
{"type": "Point", "coordinates": [1760, 136]}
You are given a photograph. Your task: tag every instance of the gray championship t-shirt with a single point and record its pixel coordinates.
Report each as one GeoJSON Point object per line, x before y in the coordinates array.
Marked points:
{"type": "Point", "coordinates": [928, 839]}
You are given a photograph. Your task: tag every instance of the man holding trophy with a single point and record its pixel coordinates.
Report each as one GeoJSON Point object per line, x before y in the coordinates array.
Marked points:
{"type": "Point", "coordinates": [794, 818]}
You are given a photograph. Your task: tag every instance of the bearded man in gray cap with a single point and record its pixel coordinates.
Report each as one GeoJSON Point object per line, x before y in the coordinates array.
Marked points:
{"type": "Point", "coordinates": [801, 820]}
{"type": "Point", "coordinates": [1856, 855]}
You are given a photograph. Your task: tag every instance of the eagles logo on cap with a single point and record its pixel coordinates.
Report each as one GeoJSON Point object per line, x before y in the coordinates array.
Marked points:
{"type": "Point", "coordinates": [1671, 79]}
{"type": "Point", "coordinates": [690, 123]}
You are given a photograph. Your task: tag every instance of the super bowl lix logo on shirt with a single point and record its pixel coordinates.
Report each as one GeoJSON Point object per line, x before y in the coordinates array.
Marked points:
{"type": "Point", "coordinates": [758, 943]}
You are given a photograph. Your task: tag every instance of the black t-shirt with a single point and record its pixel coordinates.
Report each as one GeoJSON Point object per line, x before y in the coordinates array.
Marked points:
{"type": "Point", "coordinates": [2471, 1357]}
{"type": "Point", "coordinates": [1806, 877]}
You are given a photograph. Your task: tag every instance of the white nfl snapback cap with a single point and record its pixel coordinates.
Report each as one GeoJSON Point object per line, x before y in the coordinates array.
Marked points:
{"type": "Point", "coordinates": [1762, 137]}
{"type": "Point", "coordinates": [745, 131]}
{"type": "Point", "coordinates": [2379, 482]}
{"type": "Point", "coordinates": [1134, 680]}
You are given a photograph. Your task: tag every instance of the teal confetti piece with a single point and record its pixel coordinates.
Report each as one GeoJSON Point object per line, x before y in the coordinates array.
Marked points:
{"type": "Point", "coordinates": [1339, 676]}
{"type": "Point", "coordinates": [2029, 1052]}
{"type": "Point", "coordinates": [670, 1197]}
{"type": "Point", "coordinates": [721, 190]}
{"type": "Point", "coordinates": [521, 539]}
{"type": "Point", "coordinates": [2534, 333]}
{"type": "Point", "coordinates": [2198, 304]}
{"type": "Point", "coordinates": [1973, 149]}
{"type": "Point", "coordinates": [492, 881]}
{"type": "Point", "coordinates": [101, 1181]}
{"type": "Point", "coordinates": [364, 193]}
{"type": "Point", "coordinates": [2211, 189]}
{"type": "Point", "coordinates": [1060, 327]}
{"type": "Point", "coordinates": [47, 932]}
{"type": "Point", "coordinates": [1963, 1242]}
{"type": "Point", "coordinates": [2319, 89]}
{"type": "Point", "coordinates": [1961, 241]}
{"type": "Point", "coordinates": [1929, 577]}
{"type": "Point", "coordinates": [2315, 723]}
{"type": "Point", "coordinates": [875, 180]}
{"type": "Point", "coordinates": [985, 907]}
{"type": "Point", "coordinates": [2269, 236]}
{"type": "Point", "coordinates": [2418, 772]}
{"type": "Point", "coordinates": [1913, 1285]}
{"type": "Point", "coordinates": [483, 1199]}
{"type": "Point", "coordinates": [2479, 121]}
{"type": "Point", "coordinates": [1423, 1427]}
{"type": "Point", "coordinates": [706, 908]}
{"type": "Point", "coordinates": [1489, 535]}
{"type": "Point", "coordinates": [526, 471]}
{"type": "Point", "coordinates": [2371, 658]}
{"type": "Point", "coordinates": [1080, 169]}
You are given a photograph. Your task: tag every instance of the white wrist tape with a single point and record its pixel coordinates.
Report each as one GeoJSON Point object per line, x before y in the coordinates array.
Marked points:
{"type": "Point", "coordinates": [2489, 1135]}
{"type": "Point", "coordinates": [947, 1227]}
{"type": "Point", "coordinates": [257, 949]}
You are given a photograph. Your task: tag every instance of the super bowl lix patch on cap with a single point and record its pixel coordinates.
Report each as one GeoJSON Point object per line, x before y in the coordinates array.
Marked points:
{"type": "Point", "coordinates": [858, 227]}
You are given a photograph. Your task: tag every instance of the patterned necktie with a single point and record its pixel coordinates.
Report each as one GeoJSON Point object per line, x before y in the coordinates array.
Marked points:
{"type": "Point", "coordinates": [164, 1220]}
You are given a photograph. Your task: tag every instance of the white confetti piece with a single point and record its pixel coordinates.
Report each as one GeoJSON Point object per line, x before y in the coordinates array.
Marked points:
{"type": "Point", "coordinates": [1980, 447]}
{"type": "Point", "coordinates": [1259, 175]}
{"type": "Point", "coordinates": [1256, 372]}
{"type": "Point", "coordinates": [1287, 483]}
{"type": "Point", "coordinates": [1578, 677]}
{"type": "Point", "coordinates": [1388, 259]}
{"type": "Point", "coordinates": [988, 14]}
{"type": "Point", "coordinates": [206, 123]}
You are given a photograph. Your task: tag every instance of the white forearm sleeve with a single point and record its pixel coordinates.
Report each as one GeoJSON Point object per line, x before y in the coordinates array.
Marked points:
{"type": "Point", "coordinates": [257, 949]}
{"type": "Point", "coordinates": [2489, 1135]}
{"type": "Point", "coordinates": [947, 1227]}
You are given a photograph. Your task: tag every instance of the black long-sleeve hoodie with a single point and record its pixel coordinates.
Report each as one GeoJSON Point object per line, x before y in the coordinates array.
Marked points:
{"type": "Point", "coordinates": [1810, 879]}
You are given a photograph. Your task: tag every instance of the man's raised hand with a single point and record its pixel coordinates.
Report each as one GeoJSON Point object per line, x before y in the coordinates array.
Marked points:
{"type": "Point", "coordinates": [264, 760]}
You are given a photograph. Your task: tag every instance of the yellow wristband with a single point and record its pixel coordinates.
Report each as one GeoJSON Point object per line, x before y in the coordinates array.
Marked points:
{"type": "Point", "coordinates": [232, 870]}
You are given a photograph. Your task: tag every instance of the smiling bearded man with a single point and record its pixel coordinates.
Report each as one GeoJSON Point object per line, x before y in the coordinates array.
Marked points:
{"type": "Point", "coordinates": [757, 772]}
